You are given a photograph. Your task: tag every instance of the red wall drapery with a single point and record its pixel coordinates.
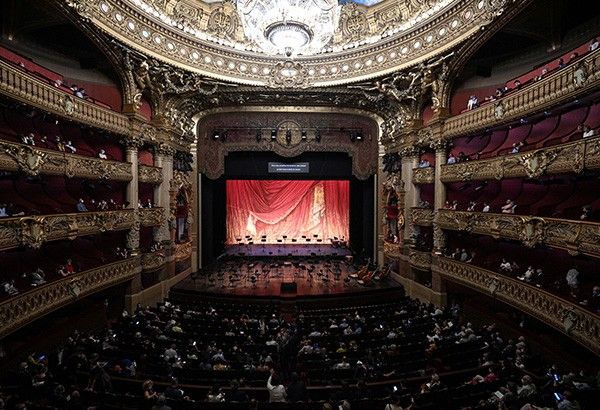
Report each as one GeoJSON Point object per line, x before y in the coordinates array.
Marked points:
{"type": "Point", "coordinates": [292, 208]}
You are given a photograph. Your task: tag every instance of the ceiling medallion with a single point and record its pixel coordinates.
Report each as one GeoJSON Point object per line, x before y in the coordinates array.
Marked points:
{"type": "Point", "coordinates": [289, 27]}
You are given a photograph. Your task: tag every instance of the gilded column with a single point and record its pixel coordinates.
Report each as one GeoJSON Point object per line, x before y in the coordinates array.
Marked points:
{"type": "Point", "coordinates": [132, 146]}
{"type": "Point", "coordinates": [163, 158]}
{"type": "Point", "coordinates": [410, 160]}
{"type": "Point", "coordinates": [439, 238]}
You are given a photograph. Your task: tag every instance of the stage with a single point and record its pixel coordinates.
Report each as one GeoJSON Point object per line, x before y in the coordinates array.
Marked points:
{"type": "Point", "coordinates": [288, 249]}
{"type": "Point", "coordinates": [282, 277]}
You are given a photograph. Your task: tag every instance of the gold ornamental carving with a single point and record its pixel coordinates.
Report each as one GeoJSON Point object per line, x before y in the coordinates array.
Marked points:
{"type": "Point", "coordinates": [392, 250]}
{"type": "Point", "coordinates": [150, 175]}
{"type": "Point", "coordinates": [420, 260]}
{"type": "Point", "coordinates": [422, 216]}
{"type": "Point", "coordinates": [223, 21]}
{"type": "Point", "coordinates": [28, 160]}
{"type": "Point", "coordinates": [182, 251]}
{"type": "Point", "coordinates": [581, 325]}
{"type": "Point", "coordinates": [354, 22]}
{"type": "Point", "coordinates": [537, 162]}
{"type": "Point", "coordinates": [153, 260]}
{"type": "Point", "coordinates": [423, 176]}
{"type": "Point", "coordinates": [24, 308]}
{"type": "Point", "coordinates": [151, 216]}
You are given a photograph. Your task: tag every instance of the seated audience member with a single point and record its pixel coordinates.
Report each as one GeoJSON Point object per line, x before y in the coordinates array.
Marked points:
{"type": "Point", "coordinates": [586, 212]}
{"type": "Point", "coordinates": [527, 389]}
{"type": "Point", "coordinates": [516, 147]}
{"type": "Point", "coordinates": [3, 211]}
{"type": "Point", "coordinates": [587, 131]}
{"type": "Point", "coordinates": [472, 103]}
{"type": "Point", "coordinates": [561, 63]}
{"type": "Point", "coordinates": [486, 208]}
{"type": "Point", "coordinates": [28, 139]}
{"type": "Point", "coordinates": [509, 207]}
{"type": "Point", "coordinates": [464, 256]}
{"type": "Point", "coordinates": [112, 205]}
{"type": "Point", "coordinates": [594, 44]}
{"type": "Point", "coordinates": [424, 163]}
{"type": "Point", "coordinates": [451, 159]}
{"type": "Point", "coordinates": [505, 266]}
{"type": "Point", "coordinates": [149, 204]}
{"type": "Point", "coordinates": [102, 205]}
{"type": "Point", "coordinates": [517, 85]}
{"type": "Point", "coordinates": [572, 279]}
{"type": "Point", "coordinates": [140, 206]}
{"type": "Point", "coordinates": [37, 277]}
{"type": "Point", "coordinates": [80, 93]}
{"type": "Point", "coordinates": [454, 205]}
{"type": "Point", "coordinates": [81, 206]}
{"type": "Point", "coordinates": [69, 267]}
{"type": "Point", "coordinates": [61, 271]}
{"type": "Point", "coordinates": [462, 157]}
{"type": "Point", "coordinates": [471, 207]}
{"type": "Point", "coordinates": [542, 74]}
{"type": "Point", "coordinates": [102, 154]}
{"type": "Point", "coordinates": [10, 288]}
{"type": "Point", "coordinates": [69, 146]}
{"type": "Point", "coordinates": [529, 275]}
{"type": "Point", "coordinates": [121, 252]}
{"type": "Point", "coordinates": [60, 145]}
{"type": "Point", "coordinates": [447, 205]}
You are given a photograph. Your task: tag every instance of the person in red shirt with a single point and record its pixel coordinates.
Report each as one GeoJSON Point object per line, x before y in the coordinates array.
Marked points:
{"type": "Point", "coordinates": [69, 267]}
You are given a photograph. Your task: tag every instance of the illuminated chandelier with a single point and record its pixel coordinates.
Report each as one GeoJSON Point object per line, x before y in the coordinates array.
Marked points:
{"type": "Point", "coordinates": [289, 27]}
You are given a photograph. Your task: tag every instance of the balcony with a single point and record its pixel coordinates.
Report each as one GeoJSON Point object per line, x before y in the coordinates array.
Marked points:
{"type": "Point", "coordinates": [574, 236]}
{"type": "Point", "coordinates": [24, 87]}
{"type": "Point", "coordinates": [423, 176]}
{"type": "Point", "coordinates": [151, 216]}
{"type": "Point", "coordinates": [34, 161]}
{"type": "Point", "coordinates": [581, 325]}
{"type": "Point", "coordinates": [419, 259]}
{"type": "Point", "coordinates": [153, 260]}
{"type": "Point", "coordinates": [150, 175]}
{"type": "Point", "coordinates": [577, 79]}
{"type": "Point", "coordinates": [392, 250]}
{"type": "Point", "coordinates": [573, 157]}
{"type": "Point", "coordinates": [26, 307]}
{"type": "Point", "coordinates": [34, 230]}
{"type": "Point", "coordinates": [421, 216]}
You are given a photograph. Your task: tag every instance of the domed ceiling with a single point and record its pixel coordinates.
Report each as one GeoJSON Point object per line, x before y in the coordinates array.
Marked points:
{"type": "Point", "coordinates": [291, 43]}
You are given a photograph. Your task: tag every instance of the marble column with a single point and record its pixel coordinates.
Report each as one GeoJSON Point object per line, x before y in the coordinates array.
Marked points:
{"type": "Point", "coordinates": [439, 237]}
{"type": "Point", "coordinates": [163, 158]}
{"type": "Point", "coordinates": [132, 146]}
{"type": "Point", "coordinates": [410, 161]}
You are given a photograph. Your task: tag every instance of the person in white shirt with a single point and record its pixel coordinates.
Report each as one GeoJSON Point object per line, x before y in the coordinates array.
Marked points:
{"type": "Point", "coordinates": [594, 44]}
{"type": "Point", "coordinates": [451, 159]}
{"type": "Point", "coordinates": [69, 145]}
{"type": "Point", "coordinates": [588, 131]}
{"type": "Point", "coordinates": [486, 208]}
{"type": "Point", "coordinates": [102, 154]}
{"type": "Point", "coordinates": [471, 207]}
{"type": "Point", "coordinates": [28, 139]}
{"type": "Point", "coordinates": [277, 393]}
{"type": "Point", "coordinates": [424, 163]}
{"type": "Point", "coordinates": [505, 266]}
{"type": "Point", "coordinates": [509, 207]}
{"type": "Point", "coordinates": [472, 103]}
{"type": "Point", "coordinates": [3, 213]}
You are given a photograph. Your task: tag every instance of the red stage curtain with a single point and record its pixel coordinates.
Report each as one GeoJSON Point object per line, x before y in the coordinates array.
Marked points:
{"type": "Point", "coordinates": [290, 208]}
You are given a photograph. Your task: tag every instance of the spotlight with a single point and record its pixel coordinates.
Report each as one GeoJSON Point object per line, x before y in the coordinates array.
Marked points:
{"type": "Point", "coordinates": [303, 136]}
{"type": "Point", "coordinates": [273, 134]}
{"type": "Point", "coordinates": [216, 134]}
{"type": "Point", "coordinates": [318, 136]}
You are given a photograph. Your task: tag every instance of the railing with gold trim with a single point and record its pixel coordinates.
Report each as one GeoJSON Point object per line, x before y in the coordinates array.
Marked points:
{"type": "Point", "coordinates": [151, 216]}
{"type": "Point", "coordinates": [153, 260]}
{"type": "Point", "coordinates": [150, 175]}
{"type": "Point", "coordinates": [574, 236]}
{"type": "Point", "coordinates": [26, 88]}
{"type": "Point", "coordinates": [421, 216]}
{"type": "Point", "coordinates": [573, 157]}
{"type": "Point", "coordinates": [182, 251]}
{"type": "Point", "coordinates": [423, 176]}
{"type": "Point", "coordinates": [419, 259]}
{"type": "Point", "coordinates": [581, 325]}
{"type": "Point", "coordinates": [34, 230]}
{"type": "Point", "coordinates": [26, 307]}
{"type": "Point", "coordinates": [34, 161]}
{"type": "Point", "coordinates": [577, 79]}
{"type": "Point", "coordinates": [392, 250]}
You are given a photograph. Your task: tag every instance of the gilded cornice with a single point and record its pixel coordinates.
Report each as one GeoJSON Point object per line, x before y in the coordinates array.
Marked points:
{"type": "Point", "coordinates": [33, 231]}
{"type": "Point", "coordinates": [151, 216]}
{"type": "Point", "coordinates": [423, 176]}
{"type": "Point", "coordinates": [572, 157]}
{"type": "Point", "coordinates": [150, 175]}
{"type": "Point", "coordinates": [419, 260]}
{"type": "Point", "coordinates": [574, 236]}
{"type": "Point", "coordinates": [24, 87]}
{"type": "Point", "coordinates": [581, 325]}
{"type": "Point", "coordinates": [459, 21]}
{"type": "Point", "coordinates": [421, 216]}
{"type": "Point", "coordinates": [26, 307]}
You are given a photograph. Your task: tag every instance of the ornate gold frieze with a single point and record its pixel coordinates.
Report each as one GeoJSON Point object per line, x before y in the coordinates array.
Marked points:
{"type": "Point", "coordinates": [380, 40]}
{"type": "Point", "coordinates": [572, 157]}
{"type": "Point", "coordinates": [35, 161]}
{"type": "Point", "coordinates": [392, 250]}
{"type": "Point", "coordinates": [574, 236]}
{"type": "Point", "coordinates": [423, 176]}
{"type": "Point", "coordinates": [150, 175]}
{"type": "Point", "coordinates": [420, 260]}
{"type": "Point", "coordinates": [24, 87]}
{"type": "Point", "coordinates": [564, 85]}
{"type": "Point", "coordinates": [153, 260]}
{"type": "Point", "coordinates": [581, 325]}
{"type": "Point", "coordinates": [421, 216]}
{"type": "Point", "coordinates": [182, 251]}
{"type": "Point", "coordinates": [151, 216]}
{"type": "Point", "coordinates": [33, 231]}
{"type": "Point", "coordinates": [26, 307]}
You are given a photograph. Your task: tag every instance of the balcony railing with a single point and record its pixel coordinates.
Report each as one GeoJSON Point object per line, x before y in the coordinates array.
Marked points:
{"type": "Point", "coordinates": [26, 88]}
{"type": "Point", "coordinates": [34, 161]}
{"type": "Point", "coordinates": [182, 251]}
{"type": "Point", "coordinates": [26, 307]}
{"type": "Point", "coordinates": [153, 261]}
{"type": "Point", "coordinates": [423, 176]}
{"type": "Point", "coordinates": [577, 79]}
{"type": "Point", "coordinates": [34, 230]}
{"type": "Point", "coordinates": [573, 236]}
{"type": "Point", "coordinates": [150, 175]}
{"type": "Point", "coordinates": [573, 157]}
{"type": "Point", "coordinates": [419, 259]}
{"type": "Point", "coordinates": [581, 325]}
{"type": "Point", "coordinates": [392, 250]}
{"type": "Point", "coordinates": [151, 216]}
{"type": "Point", "coordinates": [421, 216]}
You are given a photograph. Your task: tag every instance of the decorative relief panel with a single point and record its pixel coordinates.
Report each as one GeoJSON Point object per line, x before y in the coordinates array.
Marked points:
{"type": "Point", "coordinates": [581, 325]}
{"type": "Point", "coordinates": [420, 260]}
{"type": "Point", "coordinates": [564, 85]}
{"type": "Point", "coordinates": [423, 176]}
{"type": "Point", "coordinates": [153, 261]}
{"type": "Point", "coordinates": [24, 87]}
{"type": "Point", "coordinates": [392, 250]}
{"type": "Point", "coordinates": [24, 308]}
{"type": "Point", "coordinates": [151, 216]}
{"type": "Point", "coordinates": [150, 175]}
{"type": "Point", "coordinates": [568, 158]}
{"type": "Point", "coordinates": [574, 236]}
{"type": "Point", "coordinates": [182, 251]}
{"type": "Point", "coordinates": [33, 231]}
{"type": "Point", "coordinates": [35, 161]}
{"type": "Point", "coordinates": [422, 216]}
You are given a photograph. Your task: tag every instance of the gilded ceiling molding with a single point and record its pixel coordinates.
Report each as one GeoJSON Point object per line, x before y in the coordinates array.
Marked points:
{"type": "Point", "coordinates": [407, 40]}
{"type": "Point", "coordinates": [21, 309]}
{"type": "Point", "coordinates": [581, 325]}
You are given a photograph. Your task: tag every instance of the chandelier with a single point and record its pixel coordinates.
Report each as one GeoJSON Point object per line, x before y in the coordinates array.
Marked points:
{"type": "Point", "coordinates": [289, 27]}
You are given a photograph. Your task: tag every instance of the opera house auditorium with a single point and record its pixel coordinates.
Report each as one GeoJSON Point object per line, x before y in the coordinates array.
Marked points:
{"type": "Point", "coordinates": [299, 204]}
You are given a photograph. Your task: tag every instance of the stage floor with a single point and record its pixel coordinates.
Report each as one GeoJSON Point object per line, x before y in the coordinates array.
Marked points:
{"type": "Point", "coordinates": [289, 249]}
{"type": "Point", "coordinates": [264, 278]}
